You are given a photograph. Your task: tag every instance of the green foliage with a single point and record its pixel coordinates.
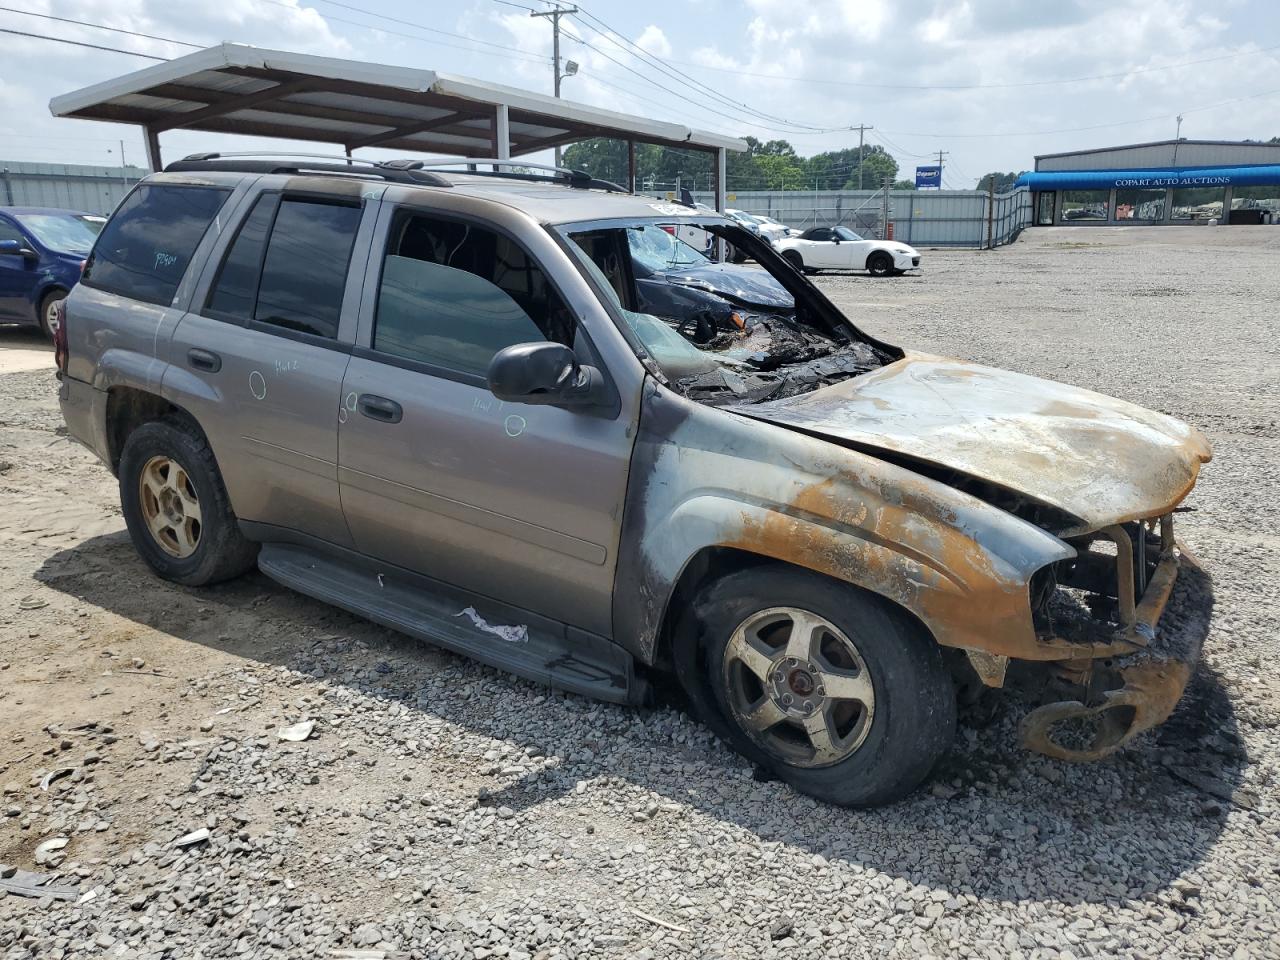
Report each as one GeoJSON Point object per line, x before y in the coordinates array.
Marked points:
{"type": "Point", "coordinates": [765, 165]}
{"type": "Point", "coordinates": [1004, 181]}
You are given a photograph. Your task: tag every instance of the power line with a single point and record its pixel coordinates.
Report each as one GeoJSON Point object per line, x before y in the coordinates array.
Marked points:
{"type": "Point", "coordinates": [419, 26]}
{"type": "Point", "coordinates": [681, 77]}
{"type": "Point", "coordinates": [78, 43]}
{"type": "Point", "coordinates": [982, 86]}
{"type": "Point", "coordinates": [98, 26]}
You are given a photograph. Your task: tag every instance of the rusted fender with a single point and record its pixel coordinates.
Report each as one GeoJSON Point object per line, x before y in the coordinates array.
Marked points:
{"type": "Point", "coordinates": [702, 479]}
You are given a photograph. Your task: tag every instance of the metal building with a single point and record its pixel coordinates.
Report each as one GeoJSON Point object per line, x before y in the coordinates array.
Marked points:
{"type": "Point", "coordinates": [1170, 181]}
{"type": "Point", "coordinates": [66, 186]}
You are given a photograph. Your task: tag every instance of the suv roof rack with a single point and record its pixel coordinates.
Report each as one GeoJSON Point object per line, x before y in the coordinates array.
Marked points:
{"type": "Point", "coordinates": [400, 170]}
{"type": "Point", "coordinates": [396, 171]}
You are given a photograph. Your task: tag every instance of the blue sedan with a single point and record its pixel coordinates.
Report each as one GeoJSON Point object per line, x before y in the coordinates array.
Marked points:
{"type": "Point", "coordinates": [41, 253]}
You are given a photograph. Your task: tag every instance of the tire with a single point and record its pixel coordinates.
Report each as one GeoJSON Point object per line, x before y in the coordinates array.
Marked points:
{"type": "Point", "coordinates": [168, 473]}
{"type": "Point", "coordinates": [793, 257]}
{"type": "Point", "coordinates": [45, 316]}
{"type": "Point", "coordinates": [880, 264]}
{"type": "Point", "coordinates": [881, 750]}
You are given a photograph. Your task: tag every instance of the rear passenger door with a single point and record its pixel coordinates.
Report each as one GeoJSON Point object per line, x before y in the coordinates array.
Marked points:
{"type": "Point", "coordinates": [260, 358]}
{"type": "Point", "coordinates": [516, 502]}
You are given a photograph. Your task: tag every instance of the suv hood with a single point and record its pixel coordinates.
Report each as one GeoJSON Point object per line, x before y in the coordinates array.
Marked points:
{"type": "Point", "coordinates": [1099, 459]}
{"type": "Point", "coordinates": [743, 285]}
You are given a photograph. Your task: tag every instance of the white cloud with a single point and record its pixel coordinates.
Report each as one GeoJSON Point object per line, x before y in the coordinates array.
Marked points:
{"type": "Point", "coordinates": [654, 41]}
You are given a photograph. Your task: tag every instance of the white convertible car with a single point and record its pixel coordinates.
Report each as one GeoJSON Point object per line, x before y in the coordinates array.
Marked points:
{"type": "Point", "coordinates": [839, 248]}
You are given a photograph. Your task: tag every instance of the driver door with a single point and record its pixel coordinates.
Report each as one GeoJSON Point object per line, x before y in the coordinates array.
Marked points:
{"type": "Point", "coordinates": [821, 250]}
{"type": "Point", "coordinates": [17, 276]}
{"type": "Point", "coordinates": [517, 502]}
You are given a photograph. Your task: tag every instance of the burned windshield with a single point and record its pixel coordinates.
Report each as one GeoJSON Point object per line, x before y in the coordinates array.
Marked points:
{"type": "Point", "coordinates": [659, 249]}
{"type": "Point", "coordinates": [721, 333]}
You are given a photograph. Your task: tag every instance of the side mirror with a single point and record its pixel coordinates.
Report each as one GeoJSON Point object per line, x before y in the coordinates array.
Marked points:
{"type": "Point", "coordinates": [835, 239]}
{"type": "Point", "coordinates": [544, 373]}
{"type": "Point", "coordinates": [15, 248]}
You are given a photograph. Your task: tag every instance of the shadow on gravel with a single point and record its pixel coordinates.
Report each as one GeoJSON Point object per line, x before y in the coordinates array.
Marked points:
{"type": "Point", "coordinates": [997, 822]}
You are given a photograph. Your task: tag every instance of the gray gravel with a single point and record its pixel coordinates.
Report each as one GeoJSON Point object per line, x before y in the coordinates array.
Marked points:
{"type": "Point", "coordinates": [441, 809]}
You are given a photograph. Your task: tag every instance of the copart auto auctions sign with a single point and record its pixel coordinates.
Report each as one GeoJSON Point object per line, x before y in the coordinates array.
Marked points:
{"type": "Point", "coordinates": [1183, 181]}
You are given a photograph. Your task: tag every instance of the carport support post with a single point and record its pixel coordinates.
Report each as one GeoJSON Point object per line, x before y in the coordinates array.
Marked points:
{"type": "Point", "coordinates": [631, 165]}
{"type": "Point", "coordinates": [721, 201]}
{"type": "Point", "coordinates": [153, 149]}
{"type": "Point", "coordinates": [502, 133]}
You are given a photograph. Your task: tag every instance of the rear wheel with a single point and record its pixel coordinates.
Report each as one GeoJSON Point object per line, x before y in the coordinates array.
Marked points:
{"type": "Point", "coordinates": [880, 264]}
{"type": "Point", "coordinates": [828, 687]}
{"type": "Point", "coordinates": [48, 315]}
{"type": "Point", "coordinates": [793, 257]}
{"type": "Point", "coordinates": [176, 506]}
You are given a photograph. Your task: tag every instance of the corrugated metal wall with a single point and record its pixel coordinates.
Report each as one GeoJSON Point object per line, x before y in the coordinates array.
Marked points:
{"type": "Point", "coordinates": [1170, 154]}
{"type": "Point", "coordinates": [922, 218]}
{"type": "Point", "coordinates": [66, 186]}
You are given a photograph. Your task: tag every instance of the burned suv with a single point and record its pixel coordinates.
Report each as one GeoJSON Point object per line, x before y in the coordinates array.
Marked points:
{"type": "Point", "coordinates": [438, 400]}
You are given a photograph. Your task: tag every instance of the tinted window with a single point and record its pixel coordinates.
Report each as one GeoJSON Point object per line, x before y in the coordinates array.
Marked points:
{"type": "Point", "coordinates": [145, 248]}
{"type": "Point", "coordinates": [819, 233]}
{"type": "Point", "coordinates": [9, 232]}
{"type": "Point", "coordinates": [305, 269]}
{"type": "Point", "coordinates": [453, 294]}
{"type": "Point", "coordinates": [236, 288]}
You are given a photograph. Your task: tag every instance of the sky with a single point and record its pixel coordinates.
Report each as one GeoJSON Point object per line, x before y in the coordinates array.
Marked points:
{"type": "Point", "coordinates": [992, 83]}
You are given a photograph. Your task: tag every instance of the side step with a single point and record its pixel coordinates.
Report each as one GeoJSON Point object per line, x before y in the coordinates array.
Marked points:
{"type": "Point", "coordinates": [554, 654]}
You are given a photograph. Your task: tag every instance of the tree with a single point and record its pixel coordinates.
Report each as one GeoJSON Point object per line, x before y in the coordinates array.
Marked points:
{"type": "Point", "coordinates": [1004, 181]}
{"type": "Point", "coordinates": [904, 185]}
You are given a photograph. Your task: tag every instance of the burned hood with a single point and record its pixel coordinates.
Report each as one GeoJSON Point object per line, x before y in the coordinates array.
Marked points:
{"type": "Point", "coordinates": [743, 285]}
{"type": "Point", "coordinates": [1099, 459]}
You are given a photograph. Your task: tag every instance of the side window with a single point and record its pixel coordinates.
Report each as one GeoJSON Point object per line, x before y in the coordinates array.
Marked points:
{"type": "Point", "coordinates": [453, 294]}
{"type": "Point", "coordinates": [236, 288]}
{"type": "Point", "coordinates": [305, 268]}
{"type": "Point", "coordinates": [9, 232]}
{"type": "Point", "coordinates": [821, 234]}
{"type": "Point", "coordinates": [144, 249]}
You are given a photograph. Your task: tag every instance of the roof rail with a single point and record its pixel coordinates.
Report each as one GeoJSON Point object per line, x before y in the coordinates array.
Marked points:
{"type": "Point", "coordinates": [400, 170]}
{"type": "Point", "coordinates": [579, 179]}
{"type": "Point", "coordinates": [396, 171]}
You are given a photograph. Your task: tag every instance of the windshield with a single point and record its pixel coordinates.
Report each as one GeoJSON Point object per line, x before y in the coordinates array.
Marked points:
{"type": "Point", "coordinates": [712, 346]}
{"type": "Point", "coordinates": [844, 233]}
{"type": "Point", "coordinates": [63, 232]}
{"type": "Point", "coordinates": [659, 250]}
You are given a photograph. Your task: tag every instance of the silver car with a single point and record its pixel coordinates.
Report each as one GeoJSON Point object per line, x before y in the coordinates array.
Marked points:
{"type": "Point", "coordinates": [432, 399]}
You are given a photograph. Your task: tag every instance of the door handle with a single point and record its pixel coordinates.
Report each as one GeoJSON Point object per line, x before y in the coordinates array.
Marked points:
{"type": "Point", "coordinates": [379, 408]}
{"type": "Point", "coordinates": [204, 360]}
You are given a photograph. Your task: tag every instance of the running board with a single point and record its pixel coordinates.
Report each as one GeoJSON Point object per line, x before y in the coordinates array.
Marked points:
{"type": "Point", "coordinates": [557, 655]}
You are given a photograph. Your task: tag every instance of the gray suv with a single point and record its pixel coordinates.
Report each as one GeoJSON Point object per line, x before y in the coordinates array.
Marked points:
{"type": "Point", "coordinates": [432, 398]}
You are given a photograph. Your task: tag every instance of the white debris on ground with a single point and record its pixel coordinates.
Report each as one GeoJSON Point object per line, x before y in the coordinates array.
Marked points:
{"type": "Point", "coordinates": [449, 811]}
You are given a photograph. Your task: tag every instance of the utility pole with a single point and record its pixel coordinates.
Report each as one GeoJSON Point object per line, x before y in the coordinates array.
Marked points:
{"type": "Point", "coordinates": [124, 173]}
{"type": "Point", "coordinates": [862, 128]}
{"type": "Point", "coordinates": [1178, 135]}
{"type": "Point", "coordinates": [941, 154]}
{"type": "Point", "coordinates": [555, 14]}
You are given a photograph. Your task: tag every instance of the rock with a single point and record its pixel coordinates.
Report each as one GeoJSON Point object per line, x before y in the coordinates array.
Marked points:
{"type": "Point", "coordinates": [47, 852]}
{"type": "Point", "coordinates": [298, 732]}
{"type": "Point", "coordinates": [781, 930]}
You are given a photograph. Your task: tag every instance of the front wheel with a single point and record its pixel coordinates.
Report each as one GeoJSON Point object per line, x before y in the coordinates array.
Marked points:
{"type": "Point", "coordinates": [48, 315]}
{"type": "Point", "coordinates": [794, 258]}
{"type": "Point", "coordinates": [828, 687]}
{"type": "Point", "coordinates": [880, 264]}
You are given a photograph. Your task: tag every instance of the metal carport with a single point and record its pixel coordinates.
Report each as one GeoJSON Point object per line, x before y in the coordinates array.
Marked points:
{"type": "Point", "coordinates": [238, 89]}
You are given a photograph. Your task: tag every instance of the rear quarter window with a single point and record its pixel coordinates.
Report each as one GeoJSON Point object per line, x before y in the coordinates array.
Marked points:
{"type": "Point", "coordinates": [146, 246]}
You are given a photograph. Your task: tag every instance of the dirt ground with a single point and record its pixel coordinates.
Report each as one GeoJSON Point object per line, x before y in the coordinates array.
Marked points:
{"type": "Point", "coordinates": [442, 809]}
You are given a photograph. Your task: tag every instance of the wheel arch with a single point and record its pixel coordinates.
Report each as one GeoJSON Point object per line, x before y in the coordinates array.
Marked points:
{"type": "Point", "coordinates": [877, 253]}
{"type": "Point", "coordinates": [128, 408]}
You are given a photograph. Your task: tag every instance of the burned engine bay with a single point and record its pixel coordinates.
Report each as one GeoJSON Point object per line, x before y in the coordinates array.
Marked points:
{"type": "Point", "coordinates": [768, 357]}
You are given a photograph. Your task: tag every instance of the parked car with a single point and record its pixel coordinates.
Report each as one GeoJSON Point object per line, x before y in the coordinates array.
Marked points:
{"type": "Point", "coordinates": [839, 248]}
{"type": "Point", "coordinates": [41, 251]}
{"type": "Point", "coordinates": [676, 282]}
{"type": "Point", "coordinates": [769, 228]}
{"type": "Point", "coordinates": [433, 399]}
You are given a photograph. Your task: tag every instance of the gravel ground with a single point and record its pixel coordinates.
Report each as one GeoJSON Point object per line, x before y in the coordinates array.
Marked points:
{"type": "Point", "coordinates": [441, 809]}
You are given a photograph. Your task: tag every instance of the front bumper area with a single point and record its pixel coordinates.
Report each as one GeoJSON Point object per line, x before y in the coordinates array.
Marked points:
{"type": "Point", "coordinates": [1133, 683]}
{"type": "Point", "coordinates": [905, 261]}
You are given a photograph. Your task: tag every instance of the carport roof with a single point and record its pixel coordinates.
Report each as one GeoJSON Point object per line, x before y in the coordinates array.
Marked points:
{"type": "Point", "coordinates": [239, 89]}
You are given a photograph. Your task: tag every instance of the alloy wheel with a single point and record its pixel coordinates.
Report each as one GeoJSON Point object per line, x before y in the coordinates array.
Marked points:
{"type": "Point", "coordinates": [170, 506]}
{"type": "Point", "coordinates": [798, 686]}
